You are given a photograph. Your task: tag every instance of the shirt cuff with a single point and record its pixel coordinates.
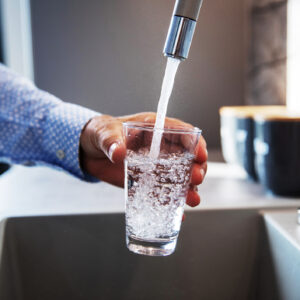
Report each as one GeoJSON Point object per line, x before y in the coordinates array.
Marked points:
{"type": "Point", "coordinates": [65, 122]}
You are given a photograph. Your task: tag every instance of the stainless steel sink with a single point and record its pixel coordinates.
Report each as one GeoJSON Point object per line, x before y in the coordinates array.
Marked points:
{"type": "Point", "coordinates": [220, 255]}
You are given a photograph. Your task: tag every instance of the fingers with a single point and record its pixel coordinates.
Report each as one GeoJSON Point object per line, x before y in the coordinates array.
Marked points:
{"type": "Point", "coordinates": [198, 173]}
{"type": "Point", "coordinates": [193, 198]}
{"type": "Point", "coordinates": [147, 117]}
{"type": "Point", "coordinates": [197, 177]}
{"type": "Point", "coordinates": [117, 152]}
{"type": "Point", "coordinates": [104, 170]}
{"type": "Point", "coordinates": [201, 151]}
{"type": "Point", "coordinates": [109, 138]}
{"type": "Point", "coordinates": [150, 117]}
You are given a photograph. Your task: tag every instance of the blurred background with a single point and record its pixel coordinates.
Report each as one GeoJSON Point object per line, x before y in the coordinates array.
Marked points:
{"type": "Point", "coordinates": [107, 55]}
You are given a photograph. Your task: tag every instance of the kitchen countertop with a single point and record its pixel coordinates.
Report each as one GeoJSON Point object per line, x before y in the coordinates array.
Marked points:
{"type": "Point", "coordinates": [44, 191]}
{"type": "Point", "coordinates": [285, 222]}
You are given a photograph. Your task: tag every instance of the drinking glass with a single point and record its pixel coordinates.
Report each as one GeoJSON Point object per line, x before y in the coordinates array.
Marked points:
{"type": "Point", "coordinates": [156, 186]}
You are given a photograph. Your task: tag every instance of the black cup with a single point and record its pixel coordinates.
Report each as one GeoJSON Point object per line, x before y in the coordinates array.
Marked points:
{"type": "Point", "coordinates": [277, 152]}
{"type": "Point", "coordinates": [237, 134]}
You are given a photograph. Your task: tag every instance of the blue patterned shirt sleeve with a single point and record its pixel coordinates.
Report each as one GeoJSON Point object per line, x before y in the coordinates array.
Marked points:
{"type": "Point", "coordinates": [38, 128]}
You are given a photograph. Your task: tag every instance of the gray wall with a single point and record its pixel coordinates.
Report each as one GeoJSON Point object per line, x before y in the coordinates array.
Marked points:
{"type": "Point", "coordinates": [107, 55]}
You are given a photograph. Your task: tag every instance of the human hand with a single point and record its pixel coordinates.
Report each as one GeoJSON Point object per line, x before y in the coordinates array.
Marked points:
{"type": "Point", "coordinates": [103, 150]}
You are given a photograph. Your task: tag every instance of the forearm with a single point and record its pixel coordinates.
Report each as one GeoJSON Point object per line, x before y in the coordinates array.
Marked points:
{"type": "Point", "coordinates": [38, 128]}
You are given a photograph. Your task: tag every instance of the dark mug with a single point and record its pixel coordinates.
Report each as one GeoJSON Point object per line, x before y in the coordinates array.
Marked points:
{"type": "Point", "coordinates": [3, 167]}
{"type": "Point", "coordinates": [237, 134]}
{"type": "Point", "coordinates": [277, 152]}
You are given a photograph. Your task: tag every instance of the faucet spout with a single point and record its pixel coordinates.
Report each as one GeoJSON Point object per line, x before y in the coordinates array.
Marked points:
{"type": "Point", "coordinates": [182, 28]}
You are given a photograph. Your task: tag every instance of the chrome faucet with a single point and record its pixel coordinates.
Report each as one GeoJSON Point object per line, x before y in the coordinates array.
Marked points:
{"type": "Point", "coordinates": [182, 28]}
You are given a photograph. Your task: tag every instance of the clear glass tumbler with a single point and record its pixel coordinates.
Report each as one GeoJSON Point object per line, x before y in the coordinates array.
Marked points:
{"type": "Point", "coordinates": [156, 188]}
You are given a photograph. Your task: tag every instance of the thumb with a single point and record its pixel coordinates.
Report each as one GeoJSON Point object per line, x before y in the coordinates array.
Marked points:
{"type": "Point", "coordinates": [111, 142]}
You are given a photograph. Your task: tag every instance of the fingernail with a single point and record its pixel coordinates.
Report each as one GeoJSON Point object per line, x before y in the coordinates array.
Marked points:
{"type": "Point", "coordinates": [202, 173]}
{"type": "Point", "coordinates": [111, 150]}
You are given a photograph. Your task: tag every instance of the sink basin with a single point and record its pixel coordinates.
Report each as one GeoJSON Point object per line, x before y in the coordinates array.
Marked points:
{"type": "Point", "coordinates": [220, 255]}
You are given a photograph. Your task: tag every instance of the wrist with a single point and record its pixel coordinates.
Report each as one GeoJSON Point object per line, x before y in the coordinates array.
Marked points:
{"type": "Point", "coordinates": [63, 128]}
